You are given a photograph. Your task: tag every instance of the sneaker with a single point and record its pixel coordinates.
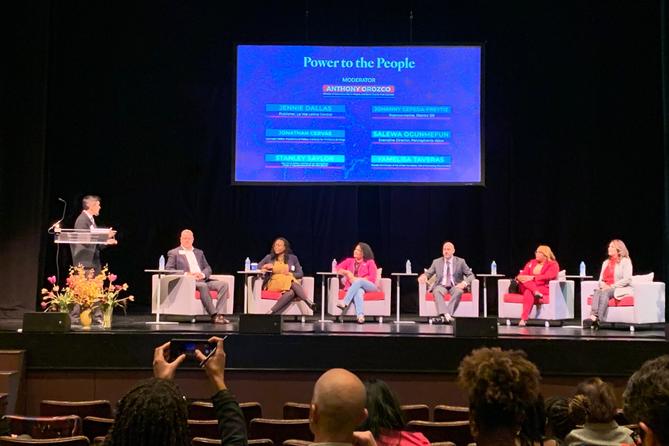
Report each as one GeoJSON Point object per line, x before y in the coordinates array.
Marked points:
{"type": "Point", "coordinates": [448, 318]}
{"type": "Point", "coordinates": [438, 320]}
{"type": "Point", "coordinates": [361, 319]}
{"type": "Point", "coordinates": [522, 323]}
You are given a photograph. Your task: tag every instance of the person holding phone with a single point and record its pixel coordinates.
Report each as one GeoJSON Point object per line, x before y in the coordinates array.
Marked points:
{"type": "Point", "coordinates": [283, 274]}
{"type": "Point", "coordinates": [156, 412]}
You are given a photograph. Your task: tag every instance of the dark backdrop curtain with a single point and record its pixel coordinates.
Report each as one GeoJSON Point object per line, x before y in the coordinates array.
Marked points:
{"type": "Point", "coordinates": [139, 106]}
{"type": "Point", "coordinates": [23, 104]}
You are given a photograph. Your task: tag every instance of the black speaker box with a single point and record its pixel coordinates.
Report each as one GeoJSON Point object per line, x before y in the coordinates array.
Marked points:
{"type": "Point", "coordinates": [475, 327]}
{"type": "Point", "coordinates": [260, 323]}
{"type": "Point", "coordinates": [50, 322]}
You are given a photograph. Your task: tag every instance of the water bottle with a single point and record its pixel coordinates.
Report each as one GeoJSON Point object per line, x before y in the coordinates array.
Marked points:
{"type": "Point", "coordinates": [161, 263]}
{"type": "Point", "coordinates": [334, 265]}
{"type": "Point", "coordinates": [581, 269]}
{"type": "Point", "coordinates": [493, 268]}
{"type": "Point", "coordinates": [247, 264]}
{"type": "Point", "coordinates": [408, 267]}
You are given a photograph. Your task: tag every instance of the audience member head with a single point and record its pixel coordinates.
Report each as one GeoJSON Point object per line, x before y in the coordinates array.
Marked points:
{"type": "Point", "coordinates": [337, 406]}
{"type": "Point", "coordinates": [617, 248]}
{"type": "Point", "coordinates": [91, 204]}
{"type": "Point", "coordinates": [543, 253]}
{"type": "Point", "coordinates": [647, 400]}
{"type": "Point", "coordinates": [598, 404]}
{"type": "Point", "coordinates": [502, 386]}
{"type": "Point", "coordinates": [383, 408]}
{"type": "Point", "coordinates": [560, 417]}
{"type": "Point", "coordinates": [363, 251]}
{"type": "Point", "coordinates": [280, 246]}
{"type": "Point", "coordinates": [187, 238]}
{"type": "Point", "coordinates": [153, 413]}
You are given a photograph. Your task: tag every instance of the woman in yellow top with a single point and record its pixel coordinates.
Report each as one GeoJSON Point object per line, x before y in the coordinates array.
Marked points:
{"type": "Point", "coordinates": [284, 275]}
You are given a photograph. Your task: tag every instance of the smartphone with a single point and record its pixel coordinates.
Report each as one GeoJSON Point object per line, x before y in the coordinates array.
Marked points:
{"type": "Point", "coordinates": [188, 347]}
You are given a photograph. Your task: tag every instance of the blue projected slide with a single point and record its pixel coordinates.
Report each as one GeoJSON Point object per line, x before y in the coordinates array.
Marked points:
{"type": "Point", "coordinates": [329, 114]}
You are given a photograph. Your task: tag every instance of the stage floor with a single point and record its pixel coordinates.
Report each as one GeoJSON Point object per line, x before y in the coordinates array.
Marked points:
{"type": "Point", "coordinates": [312, 346]}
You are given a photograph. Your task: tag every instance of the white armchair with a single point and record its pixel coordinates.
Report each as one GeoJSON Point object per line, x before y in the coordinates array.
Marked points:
{"type": "Point", "coordinates": [468, 307]}
{"type": "Point", "coordinates": [645, 306]}
{"type": "Point", "coordinates": [560, 303]}
{"type": "Point", "coordinates": [376, 303]}
{"type": "Point", "coordinates": [262, 301]}
{"type": "Point", "coordinates": [177, 294]}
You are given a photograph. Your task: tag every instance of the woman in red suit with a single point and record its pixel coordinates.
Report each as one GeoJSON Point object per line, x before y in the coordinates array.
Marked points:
{"type": "Point", "coordinates": [533, 279]}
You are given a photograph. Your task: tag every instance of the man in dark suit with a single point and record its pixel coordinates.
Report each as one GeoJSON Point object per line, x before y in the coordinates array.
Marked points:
{"type": "Point", "coordinates": [192, 260]}
{"type": "Point", "coordinates": [88, 255]}
{"type": "Point", "coordinates": [453, 276]}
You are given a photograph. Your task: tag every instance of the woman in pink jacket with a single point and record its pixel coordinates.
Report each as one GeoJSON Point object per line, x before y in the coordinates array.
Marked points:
{"type": "Point", "coordinates": [533, 280]}
{"type": "Point", "coordinates": [359, 276]}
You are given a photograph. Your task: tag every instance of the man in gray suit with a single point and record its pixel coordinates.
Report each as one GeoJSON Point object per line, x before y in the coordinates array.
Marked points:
{"type": "Point", "coordinates": [191, 260]}
{"type": "Point", "coordinates": [452, 277]}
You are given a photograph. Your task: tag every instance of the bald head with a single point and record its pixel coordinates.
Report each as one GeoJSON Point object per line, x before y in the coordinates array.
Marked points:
{"type": "Point", "coordinates": [448, 249]}
{"type": "Point", "coordinates": [338, 405]}
{"type": "Point", "coordinates": [187, 238]}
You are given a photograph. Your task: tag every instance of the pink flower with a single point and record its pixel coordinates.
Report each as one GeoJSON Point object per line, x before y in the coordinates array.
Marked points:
{"type": "Point", "coordinates": [44, 304]}
{"type": "Point", "coordinates": [52, 280]}
{"type": "Point", "coordinates": [112, 277]}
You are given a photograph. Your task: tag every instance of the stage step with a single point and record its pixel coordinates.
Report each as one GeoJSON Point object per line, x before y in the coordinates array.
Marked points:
{"type": "Point", "coordinates": [12, 379]}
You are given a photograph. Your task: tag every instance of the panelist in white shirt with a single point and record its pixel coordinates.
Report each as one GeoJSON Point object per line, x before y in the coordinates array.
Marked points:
{"type": "Point", "coordinates": [192, 260]}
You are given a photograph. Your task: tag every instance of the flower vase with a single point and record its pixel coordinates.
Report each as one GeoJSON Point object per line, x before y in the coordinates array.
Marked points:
{"type": "Point", "coordinates": [107, 317]}
{"type": "Point", "coordinates": [86, 318]}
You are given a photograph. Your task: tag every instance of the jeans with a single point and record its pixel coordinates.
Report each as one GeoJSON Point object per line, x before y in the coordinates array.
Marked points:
{"type": "Point", "coordinates": [356, 293]}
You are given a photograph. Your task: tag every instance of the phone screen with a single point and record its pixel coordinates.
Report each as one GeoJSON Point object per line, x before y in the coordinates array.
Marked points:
{"type": "Point", "coordinates": [188, 347]}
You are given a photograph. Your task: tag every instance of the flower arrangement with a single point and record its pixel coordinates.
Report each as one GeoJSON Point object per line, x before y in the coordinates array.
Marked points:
{"type": "Point", "coordinates": [57, 299]}
{"type": "Point", "coordinates": [88, 290]}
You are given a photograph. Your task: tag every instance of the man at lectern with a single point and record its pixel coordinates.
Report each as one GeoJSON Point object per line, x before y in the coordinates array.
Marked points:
{"type": "Point", "coordinates": [88, 255]}
{"type": "Point", "coordinates": [192, 260]}
{"type": "Point", "coordinates": [84, 254]}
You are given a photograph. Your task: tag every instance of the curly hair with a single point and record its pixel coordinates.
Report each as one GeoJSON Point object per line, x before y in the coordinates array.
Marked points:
{"type": "Point", "coordinates": [155, 412]}
{"type": "Point", "coordinates": [599, 403]}
{"type": "Point", "coordinates": [383, 409]}
{"type": "Point", "coordinates": [646, 398]}
{"type": "Point", "coordinates": [502, 386]}
{"type": "Point", "coordinates": [563, 415]}
{"type": "Point", "coordinates": [367, 253]}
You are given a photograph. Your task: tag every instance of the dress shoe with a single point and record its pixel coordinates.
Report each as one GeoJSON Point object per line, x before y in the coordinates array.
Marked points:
{"type": "Point", "coordinates": [361, 319]}
{"type": "Point", "coordinates": [591, 323]}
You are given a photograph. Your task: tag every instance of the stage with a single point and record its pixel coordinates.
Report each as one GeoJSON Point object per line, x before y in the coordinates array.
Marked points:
{"type": "Point", "coordinates": [566, 350]}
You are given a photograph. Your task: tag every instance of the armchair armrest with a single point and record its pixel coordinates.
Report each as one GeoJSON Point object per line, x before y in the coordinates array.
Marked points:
{"type": "Point", "coordinates": [503, 287]}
